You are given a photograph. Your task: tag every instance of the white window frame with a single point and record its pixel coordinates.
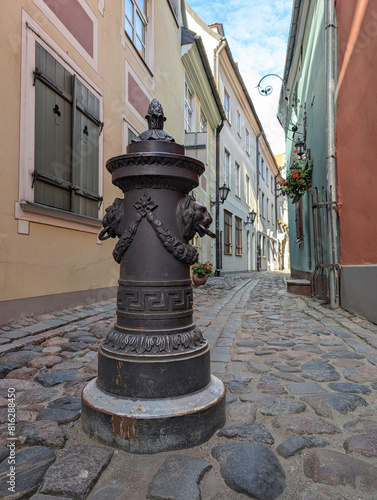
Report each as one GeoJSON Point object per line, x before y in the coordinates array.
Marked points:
{"type": "Point", "coordinates": [237, 186]}
{"type": "Point", "coordinates": [127, 127]}
{"type": "Point", "coordinates": [203, 122]}
{"type": "Point", "coordinates": [137, 13]}
{"type": "Point", "coordinates": [25, 211]}
{"type": "Point", "coordinates": [247, 190]}
{"type": "Point", "coordinates": [227, 104]}
{"type": "Point", "coordinates": [238, 123]}
{"type": "Point", "coordinates": [189, 107]}
{"type": "Point", "coordinates": [247, 141]}
{"type": "Point", "coordinates": [267, 176]}
{"type": "Point", "coordinates": [227, 167]}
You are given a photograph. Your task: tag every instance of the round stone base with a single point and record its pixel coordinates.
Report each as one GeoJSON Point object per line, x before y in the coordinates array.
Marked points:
{"type": "Point", "coordinates": [153, 425]}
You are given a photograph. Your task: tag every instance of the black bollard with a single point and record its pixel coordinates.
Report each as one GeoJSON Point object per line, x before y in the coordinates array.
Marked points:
{"type": "Point", "coordinates": [154, 391]}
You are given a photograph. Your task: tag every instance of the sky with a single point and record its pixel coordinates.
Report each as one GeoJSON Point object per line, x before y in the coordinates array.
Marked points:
{"type": "Point", "coordinates": [257, 33]}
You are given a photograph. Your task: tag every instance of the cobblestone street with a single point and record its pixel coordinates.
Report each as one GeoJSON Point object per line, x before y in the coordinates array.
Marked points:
{"type": "Point", "coordinates": [301, 410]}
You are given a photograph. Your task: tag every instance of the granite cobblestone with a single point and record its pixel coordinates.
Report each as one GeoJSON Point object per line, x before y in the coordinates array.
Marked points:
{"type": "Point", "coordinates": [294, 370]}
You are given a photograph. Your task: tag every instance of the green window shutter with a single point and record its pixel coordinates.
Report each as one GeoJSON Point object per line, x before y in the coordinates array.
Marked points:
{"type": "Point", "coordinates": [67, 129]}
{"type": "Point", "coordinates": [85, 152]}
{"type": "Point", "coordinates": [53, 85]}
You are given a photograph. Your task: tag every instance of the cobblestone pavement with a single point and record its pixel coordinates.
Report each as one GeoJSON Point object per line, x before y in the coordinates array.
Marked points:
{"type": "Point", "coordinates": [301, 410]}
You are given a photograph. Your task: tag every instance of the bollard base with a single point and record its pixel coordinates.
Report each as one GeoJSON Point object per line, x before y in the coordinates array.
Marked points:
{"type": "Point", "coordinates": [153, 425]}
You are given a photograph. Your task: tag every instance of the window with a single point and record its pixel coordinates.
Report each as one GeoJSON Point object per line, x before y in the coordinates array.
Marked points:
{"type": "Point", "coordinates": [66, 147]}
{"type": "Point", "coordinates": [267, 176]}
{"type": "Point", "coordinates": [203, 121]}
{"type": "Point", "coordinates": [131, 136]}
{"type": "Point", "coordinates": [136, 23]}
{"type": "Point", "coordinates": [272, 214]}
{"type": "Point", "coordinates": [189, 103]}
{"type": "Point", "coordinates": [268, 209]}
{"type": "Point", "coordinates": [237, 177]}
{"type": "Point", "coordinates": [238, 236]}
{"type": "Point", "coordinates": [262, 168]}
{"type": "Point", "coordinates": [248, 190]}
{"type": "Point", "coordinates": [226, 104]}
{"type": "Point", "coordinates": [238, 123]}
{"type": "Point", "coordinates": [247, 142]}
{"type": "Point", "coordinates": [226, 168]}
{"type": "Point", "coordinates": [272, 185]}
{"type": "Point", "coordinates": [227, 233]}
{"type": "Point", "coordinates": [262, 207]}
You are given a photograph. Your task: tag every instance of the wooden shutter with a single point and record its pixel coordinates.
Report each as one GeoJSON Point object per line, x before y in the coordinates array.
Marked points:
{"type": "Point", "coordinates": [67, 129]}
{"type": "Point", "coordinates": [238, 236]}
{"type": "Point", "coordinates": [227, 232]}
{"type": "Point", "coordinates": [53, 97]}
{"type": "Point", "coordinates": [85, 151]}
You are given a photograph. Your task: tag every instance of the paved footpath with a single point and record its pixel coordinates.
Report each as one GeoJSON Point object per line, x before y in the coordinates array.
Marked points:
{"type": "Point", "coordinates": [301, 422]}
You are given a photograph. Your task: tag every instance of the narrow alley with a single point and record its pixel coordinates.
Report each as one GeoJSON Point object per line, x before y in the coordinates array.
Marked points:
{"type": "Point", "coordinates": [301, 412]}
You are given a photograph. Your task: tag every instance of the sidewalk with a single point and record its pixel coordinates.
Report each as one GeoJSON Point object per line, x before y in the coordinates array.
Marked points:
{"type": "Point", "coordinates": [301, 410]}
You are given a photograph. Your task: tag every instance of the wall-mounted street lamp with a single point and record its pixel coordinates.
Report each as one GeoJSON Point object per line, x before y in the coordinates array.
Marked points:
{"type": "Point", "coordinates": [267, 90]}
{"type": "Point", "coordinates": [223, 194]}
{"type": "Point", "coordinates": [250, 218]}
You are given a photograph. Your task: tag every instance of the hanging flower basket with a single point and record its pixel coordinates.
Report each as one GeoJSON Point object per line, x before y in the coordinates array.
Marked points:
{"type": "Point", "coordinates": [299, 179]}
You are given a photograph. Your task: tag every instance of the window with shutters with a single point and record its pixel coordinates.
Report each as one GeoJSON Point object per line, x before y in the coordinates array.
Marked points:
{"type": "Point", "coordinates": [227, 233]}
{"type": "Point", "coordinates": [238, 236]}
{"type": "Point", "coordinates": [66, 145]}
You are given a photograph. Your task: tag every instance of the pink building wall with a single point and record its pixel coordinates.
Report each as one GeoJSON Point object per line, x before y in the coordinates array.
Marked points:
{"type": "Point", "coordinates": [356, 131]}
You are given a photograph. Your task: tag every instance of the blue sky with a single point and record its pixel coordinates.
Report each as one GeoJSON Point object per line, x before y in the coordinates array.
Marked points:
{"type": "Point", "coordinates": [257, 32]}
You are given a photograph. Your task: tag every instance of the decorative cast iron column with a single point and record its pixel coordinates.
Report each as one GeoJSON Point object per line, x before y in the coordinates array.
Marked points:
{"type": "Point", "coordinates": [154, 391]}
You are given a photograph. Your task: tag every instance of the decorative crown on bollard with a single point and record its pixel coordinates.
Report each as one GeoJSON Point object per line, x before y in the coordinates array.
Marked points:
{"type": "Point", "coordinates": [154, 391]}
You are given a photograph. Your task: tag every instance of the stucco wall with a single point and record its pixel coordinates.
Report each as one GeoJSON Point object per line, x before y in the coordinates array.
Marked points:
{"type": "Point", "coordinates": [357, 131]}
{"type": "Point", "coordinates": [49, 259]}
{"type": "Point", "coordinates": [307, 78]}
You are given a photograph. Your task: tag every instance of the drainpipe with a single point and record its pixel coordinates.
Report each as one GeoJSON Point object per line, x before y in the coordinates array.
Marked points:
{"type": "Point", "coordinates": [217, 52]}
{"type": "Point", "coordinates": [183, 14]}
{"type": "Point", "coordinates": [217, 183]}
{"type": "Point", "coordinates": [258, 252]}
{"type": "Point", "coordinates": [330, 37]}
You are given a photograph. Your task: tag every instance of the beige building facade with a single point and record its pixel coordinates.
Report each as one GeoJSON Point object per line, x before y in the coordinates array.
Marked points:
{"type": "Point", "coordinates": [79, 78]}
{"type": "Point", "coordinates": [241, 147]}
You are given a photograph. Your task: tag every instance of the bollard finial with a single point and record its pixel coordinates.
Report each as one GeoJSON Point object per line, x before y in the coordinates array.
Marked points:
{"type": "Point", "coordinates": [155, 117]}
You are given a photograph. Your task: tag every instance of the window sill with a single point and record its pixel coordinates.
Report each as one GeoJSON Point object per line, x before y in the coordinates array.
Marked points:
{"type": "Point", "coordinates": [41, 214]}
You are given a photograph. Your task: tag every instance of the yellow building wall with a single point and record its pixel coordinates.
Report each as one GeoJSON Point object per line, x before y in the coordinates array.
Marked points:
{"type": "Point", "coordinates": [51, 259]}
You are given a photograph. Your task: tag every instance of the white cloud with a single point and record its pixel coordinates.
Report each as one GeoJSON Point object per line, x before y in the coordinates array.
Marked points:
{"type": "Point", "coordinates": [257, 32]}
